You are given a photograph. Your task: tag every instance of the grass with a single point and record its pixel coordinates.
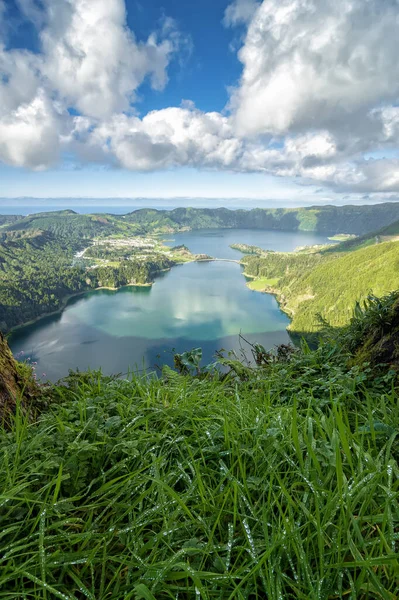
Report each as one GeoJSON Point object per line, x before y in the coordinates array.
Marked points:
{"type": "Point", "coordinates": [342, 237]}
{"type": "Point", "coordinates": [262, 283]}
{"type": "Point", "coordinates": [283, 484]}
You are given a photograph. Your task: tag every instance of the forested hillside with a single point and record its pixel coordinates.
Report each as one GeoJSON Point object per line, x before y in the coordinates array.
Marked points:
{"type": "Point", "coordinates": [327, 283]}
{"type": "Point", "coordinates": [357, 220]}
{"type": "Point", "coordinates": [8, 219]}
{"type": "Point", "coordinates": [73, 226]}
{"type": "Point", "coordinates": [323, 219]}
{"type": "Point", "coordinates": [38, 274]}
{"type": "Point", "coordinates": [35, 275]}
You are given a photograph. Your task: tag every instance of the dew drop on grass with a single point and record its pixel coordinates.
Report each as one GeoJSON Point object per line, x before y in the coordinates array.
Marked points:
{"type": "Point", "coordinates": [252, 548]}
{"type": "Point", "coordinates": [229, 545]}
{"type": "Point", "coordinates": [293, 568]}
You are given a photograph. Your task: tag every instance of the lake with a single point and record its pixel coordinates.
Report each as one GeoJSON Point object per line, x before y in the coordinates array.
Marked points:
{"type": "Point", "coordinates": [192, 305]}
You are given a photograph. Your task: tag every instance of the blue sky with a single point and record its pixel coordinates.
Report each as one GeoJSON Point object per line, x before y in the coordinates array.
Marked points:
{"type": "Point", "coordinates": [276, 100]}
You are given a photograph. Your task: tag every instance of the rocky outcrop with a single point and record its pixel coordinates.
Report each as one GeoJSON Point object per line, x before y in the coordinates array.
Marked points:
{"type": "Point", "coordinates": [13, 386]}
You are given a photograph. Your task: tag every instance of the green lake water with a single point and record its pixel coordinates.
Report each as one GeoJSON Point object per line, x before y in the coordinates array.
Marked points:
{"type": "Point", "coordinates": [196, 304]}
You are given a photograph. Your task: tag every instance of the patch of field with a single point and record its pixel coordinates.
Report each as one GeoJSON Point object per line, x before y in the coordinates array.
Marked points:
{"type": "Point", "coordinates": [342, 237]}
{"type": "Point", "coordinates": [258, 285]}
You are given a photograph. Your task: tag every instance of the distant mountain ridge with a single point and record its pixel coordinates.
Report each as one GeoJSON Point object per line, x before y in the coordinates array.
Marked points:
{"type": "Point", "coordinates": [322, 219]}
{"type": "Point", "coordinates": [350, 219]}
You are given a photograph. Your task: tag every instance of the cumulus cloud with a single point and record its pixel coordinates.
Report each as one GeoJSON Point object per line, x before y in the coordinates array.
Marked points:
{"type": "Point", "coordinates": [32, 10]}
{"type": "Point", "coordinates": [318, 99]}
{"type": "Point", "coordinates": [93, 59]}
{"type": "Point", "coordinates": [89, 61]}
{"type": "Point", "coordinates": [316, 64]}
{"type": "Point", "coordinates": [388, 117]}
{"type": "Point", "coordinates": [164, 138]}
{"type": "Point", "coordinates": [240, 11]}
{"type": "Point", "coordinates": [29, 135]}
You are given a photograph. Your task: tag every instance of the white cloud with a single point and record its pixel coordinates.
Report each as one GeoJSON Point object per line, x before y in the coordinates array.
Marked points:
{"type": "Point", "coordinates": [389, 117]}
{"type": "Point", "coordinates": [19, 79]}
{"type": "Point", "coordinates": [29, 135]}
{"type": "Point", "coordinates": [93, 60]}
{"type": "Point", "coordinates": [90, 61]}
{"type": "Point", "coordinates": [32, 10]}
{"type": "Point", "coordinates": [165, 138]}
{"type": "Point", "coordinates": [316, 64]}
{"type": "Point", "coordinates": [240, 11]}
{"type": "Point", "coordinates": [319, 91]}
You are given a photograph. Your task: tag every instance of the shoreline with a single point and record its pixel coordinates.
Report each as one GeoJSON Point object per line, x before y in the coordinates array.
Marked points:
{"type": "Point", "coordinates": [278, 296]}
{"type": "Point", "coordinates": [64, 302]}
{"type": "Point", "coordinates": [66, 299]}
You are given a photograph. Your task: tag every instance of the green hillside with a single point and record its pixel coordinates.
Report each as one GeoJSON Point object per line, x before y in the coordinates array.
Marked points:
{"type": "Point", "coordinates": [35, 275]}
{"type": "Point", "coordinates": [75, 227]}
{"type": "Point", "coordinates": [390, 232]}
{"type": "Point", "coordinates": [324, 219]}
{"type": "Point", "coordinates": [327, 283]}
{"type": "Point", "coordinates": [8, 220]}
{"type": "Point", "coordinates": [357, 220]}
{"type": "Point", "coordinates": [279, 481]}
{"type": "Point", "coordinates": [38, 271]}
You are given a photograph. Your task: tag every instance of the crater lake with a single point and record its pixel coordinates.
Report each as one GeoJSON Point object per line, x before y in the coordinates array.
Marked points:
{"type": "Point", "coordinates": [204, 304]}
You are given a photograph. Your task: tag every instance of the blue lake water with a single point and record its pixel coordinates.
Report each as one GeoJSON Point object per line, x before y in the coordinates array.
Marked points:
{"type": "Point", "coordinates": [196, 304]}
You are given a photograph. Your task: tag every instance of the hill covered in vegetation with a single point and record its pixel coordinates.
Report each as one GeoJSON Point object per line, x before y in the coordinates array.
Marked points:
{"type": "Point", "coordinates": [318, 285]}
{"type": "Point", "coordinates": [279, 481]}
{"type": "Point", "coordinates": [39, 270]}
{"type": "Point", "coordinates": [6, 220]}
{"type": "Point", "coordinates": [77, 228]}
{"type": "Point", "coordinates": [323, 219]}
{"type": "Point", "coordinates": [348, 219]}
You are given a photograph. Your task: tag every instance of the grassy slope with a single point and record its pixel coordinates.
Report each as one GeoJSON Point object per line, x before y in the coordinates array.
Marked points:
{"type": "Point", "coordinates": [282, 485]}
{"type": "Point", "coordinates": [261, 283]}
{"type": "Point", "coordinates": [330, 282]}
{"type": "Point", "coordinates": [334, 286]}
{"type": "Point", "coordinates": [368, 239]}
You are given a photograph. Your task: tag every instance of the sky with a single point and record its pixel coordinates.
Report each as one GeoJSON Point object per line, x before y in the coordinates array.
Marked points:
{"type": "Point", "coordinates": [283, 101]}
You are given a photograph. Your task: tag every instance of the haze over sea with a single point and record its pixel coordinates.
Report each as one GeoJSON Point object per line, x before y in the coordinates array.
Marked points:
{"type": "Point", "coordinates": [120, 206]}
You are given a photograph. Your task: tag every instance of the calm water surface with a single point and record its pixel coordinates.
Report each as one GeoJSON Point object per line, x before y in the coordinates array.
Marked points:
{"type": "Point", "coordinates": [216, 242]}
{"type": "Point", "coordinates": [197, 304]}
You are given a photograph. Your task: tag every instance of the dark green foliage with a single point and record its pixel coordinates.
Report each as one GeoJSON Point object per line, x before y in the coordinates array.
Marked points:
{"type": "Point", "coordinates": [280, 482]}
{"type": "Point", "coordinates": [8, 219]}
{"type": "Point", "coordinates": [130, 272]}
{"type": "Point", "coordinates": [372, 336]}
{"type": "Point", "coordinates": [75, 227]}
{"type": "Point", "coordinates": [280, 264]}
{"type": "Point", "coordinates": [35, 275]}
